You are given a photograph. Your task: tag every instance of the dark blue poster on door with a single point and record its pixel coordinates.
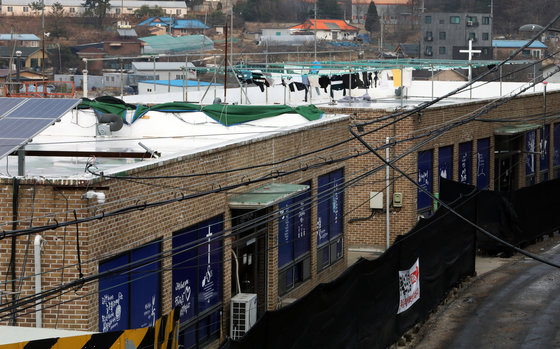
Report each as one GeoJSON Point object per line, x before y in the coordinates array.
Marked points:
{"type": "Point", "coordinates": [184, 273]}
{"type": "Point", "coordinates": [556, 154]}
{"type": "Point", "coordinates": [465, 163]}
{"type": "Point", "coordinates": [544, 148]}
{"type": "Point", "coordinates": [337, 183]}
{"type": "Point", "coordinates": [113, 296]}
{"type": "Point", "coordinates": [144, 286]}
{"type": "Point", "coordinates": [425, 161]}
{"type": "Point", "coordinates": [483, 163]}
{"type": "Point", "coordinates": [323, 208]}
{"type": "Point", "coordinates": [530, 148]}
{"type": "Point", "coordinates": [445, 163]}
{"type": "Point", "coordinates": [302, 225]}
{"type": "Point", "coordinates": [285, 233]}
{"type": "Point", "coordinates": [209, 263]}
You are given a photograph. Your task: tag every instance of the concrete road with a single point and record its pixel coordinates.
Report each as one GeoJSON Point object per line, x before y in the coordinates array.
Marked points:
{"type": "Point", "coordinates": [516, 305]}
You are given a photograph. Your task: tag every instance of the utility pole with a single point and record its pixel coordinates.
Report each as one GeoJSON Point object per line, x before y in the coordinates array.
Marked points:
{"type": "Point", "coordinates": [315, 33]}
{"type": "Point", "coordinates": [43, 46]}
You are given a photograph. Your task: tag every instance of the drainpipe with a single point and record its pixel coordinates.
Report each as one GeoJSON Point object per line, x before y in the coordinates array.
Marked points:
{"type": "Point", "coordinates": [37, 252]}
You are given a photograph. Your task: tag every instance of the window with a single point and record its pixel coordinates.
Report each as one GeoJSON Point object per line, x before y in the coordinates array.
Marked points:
{"type": "Point", "coordinates": [129, 294]}
{"type": "Point", "coordinates": [536, 54]}
{"type": "Point", "coordinates": [454, 19]}
{"type": "Point", "coordinates": [556, 150]}
{"type": "Point", "coordinates": [485, 36]}
{"type": "Point", "coordinates": [10, 9]}
{"type": "Point", "coordinates": [445, 163]}
{"type": "Point", "coordinates": [178, 12]}
{"type": "Point", "coordinates": [545, 150]}
{"type": "Point", "coordinates": [442, 35]}
{"type": "Point", "coordinates": [72, 10]}
{"type": "Point", "coordinates": [485, 20]}
{"type": "Point", "coordinates": [428, 51]}
{"type": "Point", "coordinates": [197, 280]}
{"type": "Point", "coordinates": [526, 52]}
{"type": "Point", "coordinates": [329, 218]}
{"type": "Point", "coordinates": [117, 10]}
{"type": "Point", "coordinates": [485, 51]}
{"type": "Point", "coordinates": [425, 180]}
{"type": "Point", "coordinates": [25, 9]}
{"type": "Point", "coordinates": [428, 19]}
{"type": "Point", "coordinates": [483, 163]}
{"type": "Point", "coordinates": [530, 149]}
{"type": "Point", "coordinates": [472, 36]}
{"type": "Point", "coordinates": [465, 162]}
{"type": "Point", "coordinates": [441, 21]}
{"type": "Point", "coordinates": [429, 36]}
{"type": "Point", "coordinates": [472, 21]}
{"type": "Point", "coordinates": [442, 50]}
{"type": "Point", "coordinates": [294, 244]}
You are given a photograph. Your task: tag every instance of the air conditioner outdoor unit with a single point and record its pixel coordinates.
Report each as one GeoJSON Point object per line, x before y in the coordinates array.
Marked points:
{"type": "Point", "coordinates": [243, 314]}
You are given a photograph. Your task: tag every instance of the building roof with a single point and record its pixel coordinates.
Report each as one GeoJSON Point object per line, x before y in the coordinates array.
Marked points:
{"type": "Point", "coordinates": [168, 43]}
{"type": "Point", "coordinates": [20, 37]}
{"type": "Point", "coordinates": [175, 23]}
{"type": "Point", "coordinates": [325, 24]}
{"type": "Point", "coordinates": [149, 66]}
{"type": "Point", "coordinates": [173, 129]}
{"type": "Point", "coordinates": [409, 50]}
{"type": "Point", "coordinates": [25, 51]}
{"type": "Point", "coordinates": [127, 32]}
{"type": "Point", "coordinates": [516, 44]}
{"type": "Point", "coordinates": [366, 2]}
{"type": "Point", "coordinates": [179, 83]}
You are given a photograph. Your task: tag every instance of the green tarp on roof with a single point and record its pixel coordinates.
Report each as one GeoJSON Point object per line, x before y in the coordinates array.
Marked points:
{"type": "Point", "coordinates": [224, 114]}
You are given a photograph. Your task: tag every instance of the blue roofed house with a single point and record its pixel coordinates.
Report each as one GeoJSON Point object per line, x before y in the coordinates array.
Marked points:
{"type": "Point", "coordinates": [503, 48]}
{"type": "Point", "coordinates": [174, 26]}
{"type": "Point", "coordinates": [22, 40]}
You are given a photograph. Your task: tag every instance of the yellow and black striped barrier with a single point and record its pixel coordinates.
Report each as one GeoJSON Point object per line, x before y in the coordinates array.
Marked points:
{"type": "Point", "coordinates": [163, 335]}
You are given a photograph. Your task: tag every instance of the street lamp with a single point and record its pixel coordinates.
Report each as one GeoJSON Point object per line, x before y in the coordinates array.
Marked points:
{"type": "Point", "coordinates": [18, 56]}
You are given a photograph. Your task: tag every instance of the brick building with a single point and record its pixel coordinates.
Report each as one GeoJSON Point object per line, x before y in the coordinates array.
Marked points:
{"type": "Point", "coordinates": [191, 269]}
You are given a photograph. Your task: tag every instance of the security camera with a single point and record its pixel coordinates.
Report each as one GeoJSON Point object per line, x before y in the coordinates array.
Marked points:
{"type": "Point", "coordinates": [95, 195]}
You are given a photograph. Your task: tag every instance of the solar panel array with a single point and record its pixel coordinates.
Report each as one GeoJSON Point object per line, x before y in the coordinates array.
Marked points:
{"type": "Point", "coordinates": [23, 118]}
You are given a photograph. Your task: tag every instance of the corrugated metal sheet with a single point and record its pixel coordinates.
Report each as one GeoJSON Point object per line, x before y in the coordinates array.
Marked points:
{"type": "Point", "coordinates": [127, 32]}
{"type": "Point", "coordinates": [517, 44]}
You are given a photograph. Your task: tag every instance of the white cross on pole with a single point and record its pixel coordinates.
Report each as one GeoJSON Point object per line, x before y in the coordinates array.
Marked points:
{"type": "Point", "coordinates": [470, 51]}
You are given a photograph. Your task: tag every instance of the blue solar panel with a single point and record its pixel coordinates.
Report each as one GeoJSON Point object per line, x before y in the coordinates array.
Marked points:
{"type": "Point", "coordinates": [22, 119]}
{"type": "Point", "coordinates": [7, 104]}
{"type": "Point", "coordinates": [42, 108]}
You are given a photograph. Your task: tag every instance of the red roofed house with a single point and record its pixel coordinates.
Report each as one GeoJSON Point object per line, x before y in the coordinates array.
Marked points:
{"type": "Point", "coordinates": [327, 29]}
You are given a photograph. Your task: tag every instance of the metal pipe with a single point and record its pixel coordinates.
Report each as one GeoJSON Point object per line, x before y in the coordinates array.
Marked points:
{"type": "Point", "coordinates": [38, 288]}
{"type": "Point", "coordinates": [387, 202]}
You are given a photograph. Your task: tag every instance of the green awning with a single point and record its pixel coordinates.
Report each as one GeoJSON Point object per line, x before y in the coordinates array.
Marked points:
{"type": "Point", "coordinates": [265, 196]}
{"type": "Point", "coordinates": [512, 130]}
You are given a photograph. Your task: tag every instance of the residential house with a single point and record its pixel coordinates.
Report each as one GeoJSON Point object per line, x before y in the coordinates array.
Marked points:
{"type": "Point", "coordinates": [161, 71]}
{"type": "Point", "coordinates": [408, 50]}
{"type": "Point", "coordinates": [174, 26]}
{"type": "Point", "coordinates": [32, 57]}
{"type": "Point", "coordinates": [387, 10]}
{"type": "Point", "coordinates": [444, 35]}
{"type": "Point", "coordinates": [327, 29]}
{"type": "Point", "coordinates": [503, 48]}
{"type": "Point", "coordinates": [75, 8]}
{"type": "Point", "coordinates": [21, 40]}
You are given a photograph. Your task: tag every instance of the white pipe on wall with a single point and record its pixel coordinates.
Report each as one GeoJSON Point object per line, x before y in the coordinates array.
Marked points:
{"type": "Point", "coordinates": [37, 253]}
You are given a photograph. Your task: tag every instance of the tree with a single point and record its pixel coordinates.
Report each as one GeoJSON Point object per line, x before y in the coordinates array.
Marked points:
{"type": "Point", "coordinates": [57, 27]}
{"type": "Point", "coordinates": [97, 9]}
{"type": "Point", "coordinates": [328, 9]}
{"type": "Point", "coordinates": [147, 11]}
{"type": "Point", "coordinates": [36, 6]}
{"type": "Point", "coordinates": [372, 19]}
{"type": "Point", "coordinates": [192, 3]}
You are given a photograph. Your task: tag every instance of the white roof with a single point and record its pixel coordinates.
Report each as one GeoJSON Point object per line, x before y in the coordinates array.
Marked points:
{"type": "Point", "coordinates": [172, 134]}
{"type": "Point", "coordinates": [149, 66]}
{"type": "Point", "coordinates": [14, 334]}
